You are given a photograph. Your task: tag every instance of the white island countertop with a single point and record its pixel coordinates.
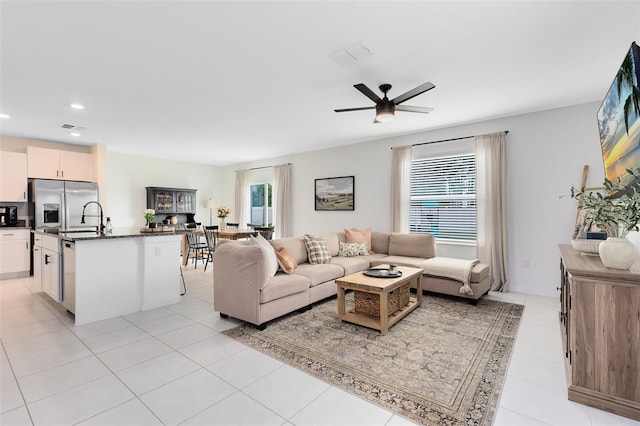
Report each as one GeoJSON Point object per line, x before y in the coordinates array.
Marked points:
{"type": "Point", "coordinates": [122, 272]}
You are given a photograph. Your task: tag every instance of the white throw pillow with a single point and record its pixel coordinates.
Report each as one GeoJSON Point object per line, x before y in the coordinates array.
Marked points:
{"type": "Point", "coordinates": [272, 264]}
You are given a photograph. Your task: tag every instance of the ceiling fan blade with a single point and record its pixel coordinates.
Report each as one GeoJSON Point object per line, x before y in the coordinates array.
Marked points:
{"type": "Point", "coordinates": [413, 93]}
{"type": "Point", "coordinates": [353, 109]}
{"type": "Point", "coordinates": [368, 92]}
{"type": "Point", "coordinates": [424, 110]}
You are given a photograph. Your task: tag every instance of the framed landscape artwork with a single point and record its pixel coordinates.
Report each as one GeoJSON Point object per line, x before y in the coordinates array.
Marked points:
{"type": "Point", "coordinates": [335, 194]}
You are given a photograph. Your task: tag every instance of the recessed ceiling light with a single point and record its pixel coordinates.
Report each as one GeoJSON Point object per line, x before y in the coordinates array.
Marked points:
{"type": "Point", "coordinates": [4, 116]}
{"type": "Point", "coordinates": [77, 106]}
{"type": "Point", "coordinates": [75, 134]}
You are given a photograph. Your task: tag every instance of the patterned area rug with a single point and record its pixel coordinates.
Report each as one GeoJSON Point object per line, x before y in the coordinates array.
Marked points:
{"type": "Point", "coordinates": [444, 364]}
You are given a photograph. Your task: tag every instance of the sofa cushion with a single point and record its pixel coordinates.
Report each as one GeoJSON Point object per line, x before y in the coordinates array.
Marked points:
{"type": "Point", "coordinates": [353, 249]}
{"type": "Point", "coordinates": [414, 262]}
{"type": "Point", "coordinates": [317, 251]}
{"type": "Point", "coordinates": [351, 264]}
{"type": "Point", "coordinates": [354, 236]}
{"type": "Point", "coordinates": [319, 274]}
{"type": "Point", "coordinates": [380, 242]}
{"type": "Point", "coordinates": [372, 257]}
{"type": "Point", "coordinates": [434, 267]}
{"type": "Point", "coordinates": [286, 261]}
{"type": "Point", "coordinates": [412, 245]}
{"type": "Point", "coordinates": [331, 240]}
{"type": "Point", "coordinates": [295, 246]}
{"type": "Point", "coordinates": [282, 285]}
{"type": "Point", "coordinates": [272, 260]}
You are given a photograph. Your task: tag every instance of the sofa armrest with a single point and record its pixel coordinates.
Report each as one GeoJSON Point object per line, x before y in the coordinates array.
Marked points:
{"type": "Point", "coordinates": [239, 274]}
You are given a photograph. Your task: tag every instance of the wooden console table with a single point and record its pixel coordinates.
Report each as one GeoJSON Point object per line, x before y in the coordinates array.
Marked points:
{"type": "Point", "coordinates": [600, 318]}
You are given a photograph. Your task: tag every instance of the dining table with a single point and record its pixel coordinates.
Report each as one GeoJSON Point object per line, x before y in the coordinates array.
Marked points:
{"type": "Point", "coordinates": [236, 234]}
{"type": "Point", "coordinates": [228, 234]}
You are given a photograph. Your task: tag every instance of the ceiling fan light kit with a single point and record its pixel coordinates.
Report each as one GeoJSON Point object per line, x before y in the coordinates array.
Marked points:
{"type": "Point", "coordinates": [385, 108]}
{"type": "Point", "coordinates": [385, 111]}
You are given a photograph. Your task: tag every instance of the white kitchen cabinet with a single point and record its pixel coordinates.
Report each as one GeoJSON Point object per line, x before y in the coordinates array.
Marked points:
{"type": "Point", "coordinates": [45, 163]}
{"type": "Point", "coordinates": [37, 261]}
{"type": "Point", "coordinates": [51, 274]}
{"type": "Point", "coordinates": [14, 252]}
{"type": "Point", "coordinates": [50, 266]}
{"type": "Point", "coordinates": [13, 176]}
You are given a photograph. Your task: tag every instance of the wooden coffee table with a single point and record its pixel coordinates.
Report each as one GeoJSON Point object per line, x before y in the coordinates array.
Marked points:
{"type": "Point", "coordinates": [381, 287]}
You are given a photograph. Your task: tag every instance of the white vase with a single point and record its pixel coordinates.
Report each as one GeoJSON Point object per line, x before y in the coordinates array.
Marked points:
{"type": "Point", "coordinates": [223, 225]}
{"type": "Point", "coordinates": [617, 253]}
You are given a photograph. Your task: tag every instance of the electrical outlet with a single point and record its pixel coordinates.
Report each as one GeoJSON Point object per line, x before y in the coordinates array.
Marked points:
{"type": "Point", "coordinates": [158, 251]}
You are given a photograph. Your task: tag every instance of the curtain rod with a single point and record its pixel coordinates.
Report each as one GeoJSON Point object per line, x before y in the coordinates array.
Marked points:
{"type": "Point", "coordinates": [266, 167]}
{"type": "Point", "coordinates": [506, 132]}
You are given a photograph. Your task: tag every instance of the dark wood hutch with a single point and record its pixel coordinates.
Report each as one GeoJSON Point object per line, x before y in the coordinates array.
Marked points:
{"type": "Point", "coordinates": [168, 202]}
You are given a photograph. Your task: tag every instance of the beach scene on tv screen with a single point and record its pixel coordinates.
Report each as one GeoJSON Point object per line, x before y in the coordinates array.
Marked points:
{"type": "Point", "coordinates": [620, 144]}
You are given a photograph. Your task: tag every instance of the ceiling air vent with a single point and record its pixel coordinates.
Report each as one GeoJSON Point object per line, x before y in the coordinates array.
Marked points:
{"type": "Point", "coordinates": [73, 127]}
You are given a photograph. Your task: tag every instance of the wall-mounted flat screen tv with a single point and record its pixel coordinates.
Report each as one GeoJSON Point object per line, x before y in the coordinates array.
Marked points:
{"type": "Point", "coordinates": [619, 120]}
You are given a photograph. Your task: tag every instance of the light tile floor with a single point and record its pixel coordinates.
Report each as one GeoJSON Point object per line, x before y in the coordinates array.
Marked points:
{"type": "Point", "coordinates": [173, 366]}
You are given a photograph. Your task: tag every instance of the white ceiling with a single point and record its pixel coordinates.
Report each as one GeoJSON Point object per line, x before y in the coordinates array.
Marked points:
{"type": "Point", "coordinates": [226, 82]}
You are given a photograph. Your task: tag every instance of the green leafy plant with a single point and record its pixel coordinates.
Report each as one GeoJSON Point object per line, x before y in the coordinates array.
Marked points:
{"type": "Point", "coordinates": [149, 214]}
{"type": "Point", "coordinates": [616, 208]}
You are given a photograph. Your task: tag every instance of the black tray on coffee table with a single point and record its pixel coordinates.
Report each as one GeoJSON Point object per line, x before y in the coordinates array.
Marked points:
{"type": "Point", "coordinates": [381, 273]}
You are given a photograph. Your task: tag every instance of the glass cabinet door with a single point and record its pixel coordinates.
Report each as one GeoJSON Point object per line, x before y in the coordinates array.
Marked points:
{"type": "Point", "coordinates": [164, 202]}
{"type": "Point", "coordinates": [185, 202]}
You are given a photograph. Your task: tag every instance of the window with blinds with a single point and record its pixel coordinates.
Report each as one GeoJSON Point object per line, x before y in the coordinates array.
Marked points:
{"type": "Point", "coordinates": [443, 197]}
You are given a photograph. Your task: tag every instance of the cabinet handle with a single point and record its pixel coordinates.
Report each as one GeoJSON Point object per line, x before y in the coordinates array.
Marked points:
{"type": "Point", "coordinates": [57, 173]}
{"type": "Point", "coordinates": [46, 259]}
{"type": "Point", "coordinates": [61, 173]}
{"type": "Point", "coordinates": [8, 235]}
{"type": "Point", "coordinates": [24, 195]}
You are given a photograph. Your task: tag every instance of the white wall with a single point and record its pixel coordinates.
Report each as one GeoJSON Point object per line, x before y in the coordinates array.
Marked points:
{"type": "Point", "coordinates": [546, 154]}
{"type": "Point", "coordinates": [129, 175]}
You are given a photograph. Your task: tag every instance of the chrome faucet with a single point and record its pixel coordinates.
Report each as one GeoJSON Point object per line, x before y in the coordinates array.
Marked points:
{"type": "Point", "coordinates": [101, 227]}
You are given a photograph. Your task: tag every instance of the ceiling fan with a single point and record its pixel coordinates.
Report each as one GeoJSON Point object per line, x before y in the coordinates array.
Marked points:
{"type": "Point", "coordinates": [385, 108]}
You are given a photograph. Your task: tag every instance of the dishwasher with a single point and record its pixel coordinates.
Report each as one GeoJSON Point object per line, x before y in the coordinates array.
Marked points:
{"type": "Point", "coordinates": [69, 276]}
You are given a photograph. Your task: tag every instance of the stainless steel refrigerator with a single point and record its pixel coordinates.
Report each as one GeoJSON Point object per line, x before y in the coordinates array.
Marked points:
{"type": "Point", "coordinates": [58, 204]}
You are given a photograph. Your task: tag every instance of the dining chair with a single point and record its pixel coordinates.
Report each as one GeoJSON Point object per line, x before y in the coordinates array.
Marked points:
{"type": "Point", "coordinates": [233, 225]}
{"type": "Point", "coordinates": [195, 246]}
{"type": "Point", "coordinates": [266, 231]}
{"type": "Point", "coordinates": [211, 234]}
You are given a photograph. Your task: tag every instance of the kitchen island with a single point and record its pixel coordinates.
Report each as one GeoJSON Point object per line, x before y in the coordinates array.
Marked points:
{"type": "Point", "coordinates": [101, 276]}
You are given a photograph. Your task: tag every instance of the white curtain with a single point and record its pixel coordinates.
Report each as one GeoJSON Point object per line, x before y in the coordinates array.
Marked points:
{"type": "Point", "coordinates": [282, 217]}
{"type": "Point", "coordinates": [400, 188]}
{"type": "Point", "coordinates": [491, 161]}
{"type": "Point", "coordinates": [242, 198]}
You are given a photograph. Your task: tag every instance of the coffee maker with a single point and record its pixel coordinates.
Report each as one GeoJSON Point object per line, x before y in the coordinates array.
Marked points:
{"type": "Point", "coordinates": [8, 216]}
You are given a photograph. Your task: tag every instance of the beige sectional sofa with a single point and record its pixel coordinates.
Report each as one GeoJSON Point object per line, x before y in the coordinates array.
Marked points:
{"type": "Point", "coordinates": [244, 286]}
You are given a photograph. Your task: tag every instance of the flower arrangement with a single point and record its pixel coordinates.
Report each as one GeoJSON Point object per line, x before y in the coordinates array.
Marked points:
{"type": "Point", "coordinates": [223, 211]}
{"type": "Point", "coordinates": [149, 214]}
{"type": "Point", "coordinates": [616, 208]}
